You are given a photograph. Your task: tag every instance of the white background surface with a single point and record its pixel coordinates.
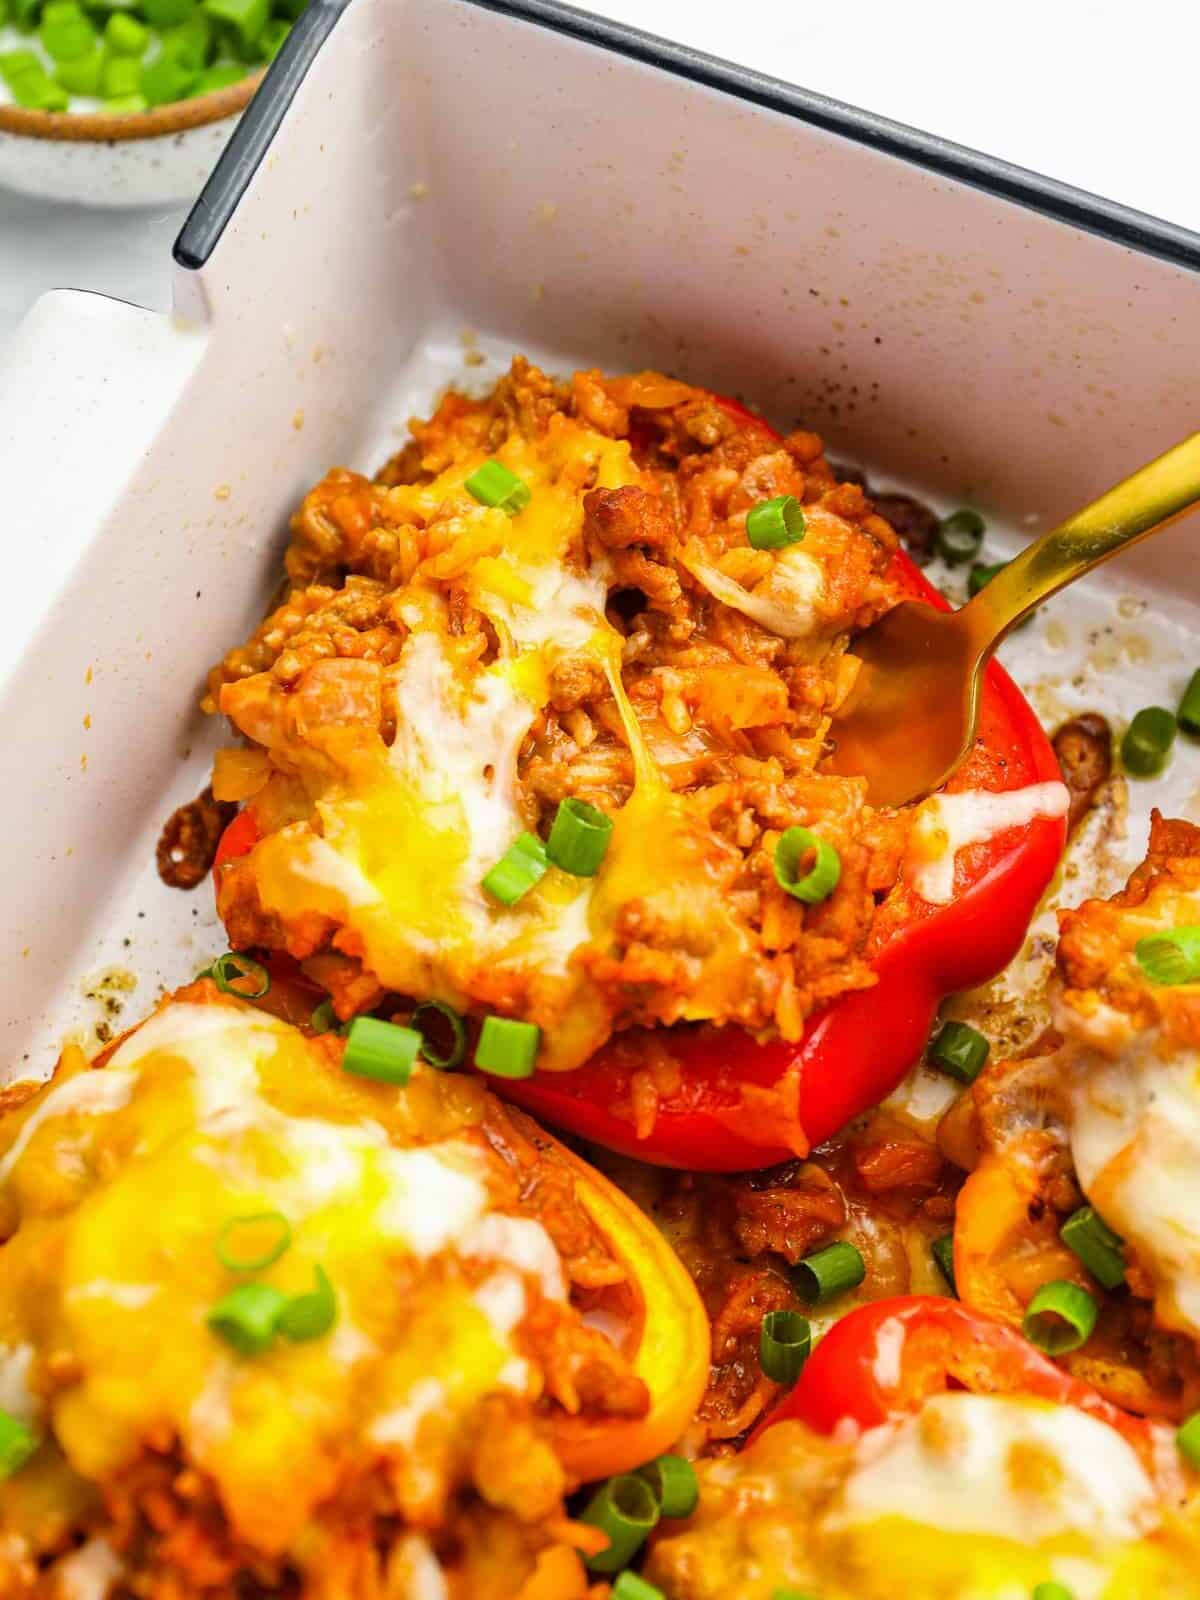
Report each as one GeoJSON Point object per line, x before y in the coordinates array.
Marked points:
{"type": "Point", "coordinates": [1096, 92]}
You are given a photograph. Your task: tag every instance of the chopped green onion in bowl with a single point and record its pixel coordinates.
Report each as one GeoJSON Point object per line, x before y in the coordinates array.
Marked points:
{"type": "Point", "coordinates": [116, 59]}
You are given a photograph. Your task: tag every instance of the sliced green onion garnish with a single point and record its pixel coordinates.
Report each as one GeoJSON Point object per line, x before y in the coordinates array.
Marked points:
{"type": "Point", "coordinates": [631, 1586]}
{"type": "Point", "coordinates": [380, 1050]}
{"type": "Point", "coordinates": [982, 574]}
{"type": "Point", "coordinates": [959, 1050]}
{"type": "Point", "coordinates": [1170, 958]}
{"type": "Point", "coordinates": [1188, 715]}
{"type": "Point", "coordinates": [942, 1251]}
{"type": "Point", "coordinates": [1188, 1440]}
{"type": "Point", "coordinates": [324, 1019]}
{"type": "Point", "coordinates": [783, 1345]}
{"type": "Point", "coordinates": [17, 1443]}
{"type": "Point", "coordinates": [507, 1048]}
{"type": "Point", "coordinates": [625, 1509]}
{"type": "Point", "coordinates": [1060, 1317]}
{"type": "Point", "coordinates": [248, 1244]}
{"type": "Point", "coordinates": [1053, 1590]}
{"type": "Point", "coordinates": [1096, 1245]}
{"type": "Point", "coordinates": [308, 1316]}
{"type": "Point", "coordinates": [959, 536]}
{"type": "Point", "coordinates": [789, 1594]}
{"type": "Point", "coordinates": [673, 1483]}
{"type": "Point", "coordinates": [522, 866]}
{"type": "Point", "coordinates": [1147, 742]}
{"type": "Point", "coordinates": [829, 1272]}
{"type": "Point", "coordinates": [494, 485]}
{"type": "Point", "coordinates": [774, 524]}
{"type": "Point", "coordinates": [246, 1318]}
{"type": "Point", "coordinates": [435, 1022]}
{"type": "Point", "coordinates": [579, 838]}
{"type": "Point", "coordinates": [233, 970]}
{"type": "Point", "coordinates": [821, 878]}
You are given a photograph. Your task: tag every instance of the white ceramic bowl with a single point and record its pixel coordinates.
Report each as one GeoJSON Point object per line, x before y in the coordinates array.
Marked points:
{"type": "Point", "coordinates": [158, 157]}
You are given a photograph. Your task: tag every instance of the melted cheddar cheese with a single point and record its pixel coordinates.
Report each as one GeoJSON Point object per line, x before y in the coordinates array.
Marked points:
{"type": "Point", "coordinates": [456, 671]}
{"type": "Point", "coordinates": [1131, 1064]}
{"type": "Point", "coordinates": [408, 832]}
{"type": "Point", "coordinates": [976, 1497]}
{"type": "Point", "coordinates": [115, 1184]}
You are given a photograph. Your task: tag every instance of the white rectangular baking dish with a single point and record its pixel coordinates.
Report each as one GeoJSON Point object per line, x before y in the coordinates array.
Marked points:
{"type": "Point", "coordinates": [425, 186]}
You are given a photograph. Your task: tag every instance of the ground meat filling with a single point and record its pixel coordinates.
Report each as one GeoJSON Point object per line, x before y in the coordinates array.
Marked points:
{"type": "Point", "coordinates": [883, 1185]}
{"type": "Point", "coordinates": [732, 711]}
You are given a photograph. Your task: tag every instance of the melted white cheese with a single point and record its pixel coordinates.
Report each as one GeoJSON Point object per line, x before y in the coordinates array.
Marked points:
{"type": "Point", "coordinates": [129, 1296]}
{"type": "Point", "coordinates": [432, 1203]}
{"type": "Point", "coordinates": [986, 1464]}
{"type": "Point", "coordinates": [502, 1300]}
{"type": "Point", "coordinates": [563, 612]}
{"type": "Point", "coordinates": [947, 823]}
{"type": "Point", "coordinates": [429, 1198]}
{"type": "Point", "coordinates": [16, 1397]}
{"type": "Point", "coordinates": [90, 1094]}
{"type": "Point", "coordinates": [399, 1426]}
{"type": "Point", "coordinates": [1135, 1140]}
{"type": "Point", "coordinates": [457, 746]}
{"type": "Point", "coordinates": [522, 1243]}
{"type": "Point", "coordinates": [221, 1044]}
{"type": "Point", "coordinates": [88, 1573]}
{"type": "Point", "coordinates": [787, 604]}
{"type": "Point", "coordinates": [417, 1572]}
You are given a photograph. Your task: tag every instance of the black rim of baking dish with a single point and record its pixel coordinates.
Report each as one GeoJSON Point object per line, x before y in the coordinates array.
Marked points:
{"type": "Point", "coordinates": [253, 135]}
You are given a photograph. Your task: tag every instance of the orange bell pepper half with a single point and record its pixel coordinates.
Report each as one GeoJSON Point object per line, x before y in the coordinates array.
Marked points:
{"type": "Point", "coordinates": [671, 1340]}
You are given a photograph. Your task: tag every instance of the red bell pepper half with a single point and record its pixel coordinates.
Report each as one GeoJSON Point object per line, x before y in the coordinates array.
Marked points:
{"type": "Point", "coordinates": [887, 1358]}
{"type": "Point", "coordinates": [740, 1104]}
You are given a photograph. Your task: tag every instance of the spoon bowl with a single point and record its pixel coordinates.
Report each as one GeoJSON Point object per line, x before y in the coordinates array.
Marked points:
{"type": "Point", "coordinates": [911, 715]}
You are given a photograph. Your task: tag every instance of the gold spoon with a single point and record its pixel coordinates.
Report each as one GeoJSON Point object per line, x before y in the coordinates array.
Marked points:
{"type": "Point", "coordinates": [911, 716]}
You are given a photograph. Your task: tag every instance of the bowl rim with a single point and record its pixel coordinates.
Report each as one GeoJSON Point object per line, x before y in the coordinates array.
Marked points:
{"type": "Point", "coordinates": [102, 127]}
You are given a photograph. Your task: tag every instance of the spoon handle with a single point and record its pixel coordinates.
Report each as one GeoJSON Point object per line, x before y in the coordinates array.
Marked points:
{"type": "Point", "coordinates": [1139, 505]}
